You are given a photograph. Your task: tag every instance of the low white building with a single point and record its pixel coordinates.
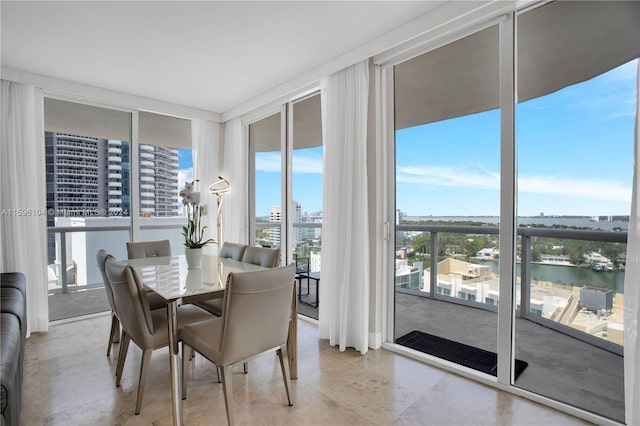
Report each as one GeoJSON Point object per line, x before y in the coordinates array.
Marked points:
{"type": "Point", "coordinates": [488, 253]}
{"type": "Point", "coordinates": [594, 257]}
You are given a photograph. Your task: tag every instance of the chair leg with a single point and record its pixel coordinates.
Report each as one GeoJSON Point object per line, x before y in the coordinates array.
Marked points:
{"type": "Point", "coordinates": [228, 393]}
{"type": "Point", "coordinates": [185, 362]}
{"type": "Point", "coordinates": [116, 335]}
{"type": "Point", "coordinates": [122, 355]}
{"type": "Point", "coordinates": [144, 366]}
{"type": "Point", "coordinates": [113, 334]}
{"type": "Point", "coordinates": [283, 355]}
{"type": "Point", "coordinates": [245, 367]}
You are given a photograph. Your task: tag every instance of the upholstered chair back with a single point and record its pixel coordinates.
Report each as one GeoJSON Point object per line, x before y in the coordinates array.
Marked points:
{"type": "Point", "coordinates": [102, 260]}
{"type": "Point", "coordinates": [145, 249]}
{"type": "Point", "coordinates": [267, 257]}
{"type": "Point", "coordinates": [233, 251]}
{"type": "Point", "coordinates": [131, 303]}
{"type": "Point", "coordinates": [260, 297]}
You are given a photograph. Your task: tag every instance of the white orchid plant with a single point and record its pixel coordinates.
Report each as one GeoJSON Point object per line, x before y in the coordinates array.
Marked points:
{"type": "Point", "coordinates": [194, 231]}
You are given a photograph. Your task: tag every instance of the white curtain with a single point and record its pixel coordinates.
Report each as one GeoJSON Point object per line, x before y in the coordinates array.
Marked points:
{"type": "Point", "coordinates": [22, 197]}
{"type": "Point", "coordinates": [344, 299]}
{"type": "Point", "coordinates": [205, 168]}
{"type": "Point", "coordinates": [631, 290]}
{"type": "Point", "coordinates": [235, 169]}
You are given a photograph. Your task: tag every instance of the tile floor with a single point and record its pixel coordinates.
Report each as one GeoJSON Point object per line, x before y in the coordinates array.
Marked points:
{"type": "Point", "coordinates": [69, 381]}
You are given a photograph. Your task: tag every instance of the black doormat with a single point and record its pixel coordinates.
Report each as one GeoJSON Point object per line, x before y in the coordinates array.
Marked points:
{"type": "Point", "coordinates": [462, 354]}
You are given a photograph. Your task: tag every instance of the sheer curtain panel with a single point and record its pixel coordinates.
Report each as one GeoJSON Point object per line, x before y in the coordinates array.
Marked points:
{"type": "Point", "coordinates": [234, 209]}
{"type": "Point", "coordinates": [344, 299]}
{"type": "Point", "coordinates": [22, 197]}
{"type": "Point", "coordinates": [631, 290]}
{"type": "Point", "coordinates": [205, 168]}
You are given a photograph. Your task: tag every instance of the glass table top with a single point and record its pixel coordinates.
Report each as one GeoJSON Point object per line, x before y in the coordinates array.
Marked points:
{"type": "Point", "coordinates": [172, 280]}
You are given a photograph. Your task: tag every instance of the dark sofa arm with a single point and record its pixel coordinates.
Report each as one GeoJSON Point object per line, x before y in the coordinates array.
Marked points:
{"type": "Point", "coordinates": [13, 331]}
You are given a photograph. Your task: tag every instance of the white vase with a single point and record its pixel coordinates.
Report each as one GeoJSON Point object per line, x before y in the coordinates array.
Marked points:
{"type": "Point", "coordinates": [194, 257]}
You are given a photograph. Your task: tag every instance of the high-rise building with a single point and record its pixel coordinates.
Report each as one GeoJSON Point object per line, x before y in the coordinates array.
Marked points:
{"type": "Point", "coordinates": [86, 176]}
{"type": "Point", "coordinates": [158, 181]}
{"type": "Point", "coordinates": [275, 216]}
{"type": "Point", "coordinates": [91, 177]}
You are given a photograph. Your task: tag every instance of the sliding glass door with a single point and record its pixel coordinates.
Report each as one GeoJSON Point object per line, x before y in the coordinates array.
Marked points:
{"type": "Point", "coordinates": [265, 145]}
{"type": "Point", "coordinates": [447, 163]}
{"type": "Point", "coordinates": [556, 175]}
{"type": "Point", "coordinates": [575, 124]}
{"type": "Point", "coordinates": [106, 187]}
{"type": "Point", "coordinates": [87, 157]}
{"type": "Point", "coordinates": [286, 187]}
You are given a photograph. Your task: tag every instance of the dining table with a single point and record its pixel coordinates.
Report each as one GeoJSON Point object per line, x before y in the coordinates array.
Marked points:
{"type": "Point", "coordinates": [171, 278]}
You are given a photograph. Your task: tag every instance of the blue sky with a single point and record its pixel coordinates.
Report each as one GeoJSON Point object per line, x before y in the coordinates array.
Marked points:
{"type": "Point", "coordinates": [185, 167]}
{"type": "Point", "coordinates": [307, 180]}
{"type": "Point", "coordinates": [574, 147]}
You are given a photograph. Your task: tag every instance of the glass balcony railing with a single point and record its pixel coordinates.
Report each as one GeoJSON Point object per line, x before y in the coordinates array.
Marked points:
{"type": "Point", "coordinates": [76, 248]}
{"type": "Point", "coordinates": [306, 253]}
{"type": "Point", "coordinates": [568, 280]}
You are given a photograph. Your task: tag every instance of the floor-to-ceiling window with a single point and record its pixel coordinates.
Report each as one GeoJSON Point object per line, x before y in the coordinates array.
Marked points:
{"type": "Point", "coordinates": [286, 187]}
{"type": "Point", "coordinates": [447, 163]}
{"type": "Point", "coordinates": [87, 156]}
{"type": "Point", "coordinates": [575, 118]}
{"type": "Point", "coordinates": [306, 135]}
{"type": "Point", "coordinates": [265, 146]}
{"type": "Point", "coordinates": [567, 190]}
{"type": "Point", "coordinates": [165, 164]}
{"type": "Point", "coordinates": [97, 182]}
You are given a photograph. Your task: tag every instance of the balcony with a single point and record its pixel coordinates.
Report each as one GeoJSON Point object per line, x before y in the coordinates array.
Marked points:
{"type": "Point", "coordinates": [570, 335]}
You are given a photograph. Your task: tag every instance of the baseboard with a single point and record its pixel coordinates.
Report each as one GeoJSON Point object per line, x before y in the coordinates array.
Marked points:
{"type": "Point", "coordinates": [375, 340]}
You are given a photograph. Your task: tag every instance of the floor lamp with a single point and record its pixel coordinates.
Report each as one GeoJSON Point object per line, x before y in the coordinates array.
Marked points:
{"type": "Point", "coordinates": [219, 189]}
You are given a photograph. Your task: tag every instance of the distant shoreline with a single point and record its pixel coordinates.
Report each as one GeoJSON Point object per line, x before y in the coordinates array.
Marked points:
{"type": "Point", "coordinates": [606, 223]}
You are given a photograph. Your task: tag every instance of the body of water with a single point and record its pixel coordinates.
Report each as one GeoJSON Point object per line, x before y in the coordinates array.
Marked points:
{"type": "Point", "coordinates": [536, 220]}
{"type": "Point", "coordinates": [570, 275]}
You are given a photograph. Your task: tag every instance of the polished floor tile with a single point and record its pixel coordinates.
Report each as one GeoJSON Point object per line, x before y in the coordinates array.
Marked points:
{"type": "Point", "coordinates": [69, 380]}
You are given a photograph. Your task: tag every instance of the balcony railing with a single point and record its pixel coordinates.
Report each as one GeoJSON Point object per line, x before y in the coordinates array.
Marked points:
{"type": "Point", "coordinates": [77, 252]}
{"type": "Point", "coordinates": [439, 288]}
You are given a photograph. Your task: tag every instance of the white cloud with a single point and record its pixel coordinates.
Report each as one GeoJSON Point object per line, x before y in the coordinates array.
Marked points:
{"type": "Point", "coordinates": [442, 176]}
{"type": "Point", "coordinates": [301, 163]}
{"type": "Point", "coordinates": [307, 164]}
{"type": "Point", "coordinates": [268, 163]}
{"type": "Point", "coordinates": [447, 176]}
{"type": "Point", "coordinates": [184, 175]}
{"type": "Point", "coordinates": [571, 187]}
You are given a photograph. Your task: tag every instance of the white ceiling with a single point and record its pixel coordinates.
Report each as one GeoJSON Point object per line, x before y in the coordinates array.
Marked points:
{"type": "Point", "coordinates": [210, 55]}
